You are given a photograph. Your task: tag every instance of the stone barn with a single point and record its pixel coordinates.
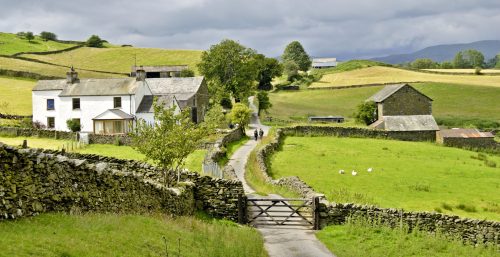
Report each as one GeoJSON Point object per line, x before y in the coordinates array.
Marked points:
{"type": "Point", "coordinates": [403, 108]}
{"type": "Point", "coordinates": [465, 138]}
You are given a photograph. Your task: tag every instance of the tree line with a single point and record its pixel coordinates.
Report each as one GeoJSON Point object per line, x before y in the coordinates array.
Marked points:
{"type": "Point", "coordinates": [467, 59]}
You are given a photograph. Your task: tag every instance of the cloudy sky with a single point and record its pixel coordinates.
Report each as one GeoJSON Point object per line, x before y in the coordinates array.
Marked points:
{"type": "Point", "coordinates": [336, 28]}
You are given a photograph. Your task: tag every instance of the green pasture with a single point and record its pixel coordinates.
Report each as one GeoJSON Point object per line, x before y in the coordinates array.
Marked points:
{"type": "Point", "coordinates": [15, 95]}
{"type": "Point", "coordinates": [410, 175]}
{"type": "Point", "coordinates": [11, 44]}
{"type": "Point", "coordinates": [127, 235]}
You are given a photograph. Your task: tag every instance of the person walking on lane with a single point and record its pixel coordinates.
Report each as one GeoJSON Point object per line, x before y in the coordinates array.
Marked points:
{"type": "Point", "coordinates": [261, 133]}
{"type": "Point", "coordinates": [256, 134]}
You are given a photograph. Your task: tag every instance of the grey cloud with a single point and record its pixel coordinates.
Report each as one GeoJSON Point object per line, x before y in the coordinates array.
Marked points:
{"type": "Point", "coordinates": [345, 29]}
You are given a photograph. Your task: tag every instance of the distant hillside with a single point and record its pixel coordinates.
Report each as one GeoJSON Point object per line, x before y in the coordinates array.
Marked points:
{"type": "Point", "coordinates": [11, 44]}
{"type": "Point", "coordinates": [440, 53]}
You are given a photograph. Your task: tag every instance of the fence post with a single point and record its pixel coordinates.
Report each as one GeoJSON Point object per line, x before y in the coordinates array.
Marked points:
{"type": "Point", "coordinates": [242, 209]}
{"type": "Point", "coordinates": [316, 212]}
{"type": "Point", "coordinates": [25, 143]}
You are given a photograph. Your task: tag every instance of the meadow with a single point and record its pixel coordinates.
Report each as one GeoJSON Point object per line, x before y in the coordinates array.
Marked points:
{"type": "Point", "coordinates": [410, 175]}
{"type": "Point", "coordinates": [467, 71]}
{"type": "Point", "coordinates": [465, 104]}
{"type": "Point", "coordinates": [127, 235]}
{"type": "Point", "coordinates": [360, 238]}
{"type": "Point", "coordinates": [15, 95]}
{"type": "Point", "coordinates": [193, 161]}
{"type": "Point", "coordinates": [11, 44]}
{"type": "Point", "coordinates": [385, 75]}
{"type": "Point", "coordinates": [120, 59]}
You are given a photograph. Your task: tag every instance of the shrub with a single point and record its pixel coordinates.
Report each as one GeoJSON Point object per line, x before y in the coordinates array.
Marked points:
{"type": "Point", "coordinates": [45, 35]}
{"type": "Point", "coordinates": [367, 113]}
{"type": "Point", "coordinates": [447, 206]}
{"type": "Point", "coordinates": [477, 71]}
{"type": "Point", "coordinates": [465, 207]}
{"type": "Point", "coordinates": [74, 125]}
{"type": "Point", "coordinates": [226, 102]}
{"type": "Point", "coordinates": [187, 73]}
{"type": "Point", "coordinates": [94, 41]}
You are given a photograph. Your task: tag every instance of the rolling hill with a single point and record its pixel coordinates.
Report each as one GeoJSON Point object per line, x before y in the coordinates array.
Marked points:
{"type": "Point", "coordinates": [11, 44]}
{"type": "Point", "coordinates": [440, 53]}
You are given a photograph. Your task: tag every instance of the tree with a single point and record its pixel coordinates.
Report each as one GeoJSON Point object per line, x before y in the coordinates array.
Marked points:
{"type": "Point", "coordinates": [294, 52]}
{"type": "Point", "coordinates": [94, 41]}
{"type": "Point", "coordinates": [491, 63]}
{"type": "Point", "coordinates": [187, 73]}
{"type": "Point", "coordinates": [446, 65]}
{"type": "Point", "coordinates": [264, 102]}
{"type": "Point", "coordinates": [367, 113]}
{"type": "Point", "coordinates": [229, 69]}
{"type": "Point", "coordinates": [423, 63]}
{"type": "Point", "coordinates": [459, 61]}
{"type": "Point", "coordinates": [291, 70]}
{"type": "Point", "coordinates": [474, 58]}
{"type": "Point", "coordinates": [45, 35]}
{"type": "Point", "coordinates": [73, 125]}
{"type": "Point", "coordinates": [29, 35]}
{"type": "Point", "coordinates": [170, 139]}
{"type": "Point", "coordinates": [240, 114]}
{"type": "Point", "coordinates": [267, 69]}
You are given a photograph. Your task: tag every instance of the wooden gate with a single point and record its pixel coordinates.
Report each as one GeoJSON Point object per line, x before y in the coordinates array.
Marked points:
{"type": "Point", "coordinates": [282, 212]}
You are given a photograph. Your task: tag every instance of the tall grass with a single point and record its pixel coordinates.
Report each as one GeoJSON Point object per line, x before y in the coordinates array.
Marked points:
{"type": "Point", "coordinates": [359, 237]}
{"type": "Point", "coordinates": [127, 235]}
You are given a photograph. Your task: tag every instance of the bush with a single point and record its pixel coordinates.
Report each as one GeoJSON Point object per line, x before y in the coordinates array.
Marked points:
{"type": "Point", "coordinates": [45, 35]}
{"type": "Point", "coordinates": [187, 73]}
{"type": "Point", "coordinates": [94, 41]}
{"type": "Point", "coordinates": [477, 71]}
{"type": "Point", "coordinates": [447, 206]}
{"type": "Point", "coordinates": [226, 103]}
{"type": "Point", "coordinates": [74, 125]}
{"type": "Point", "coordinates": [367, 113]}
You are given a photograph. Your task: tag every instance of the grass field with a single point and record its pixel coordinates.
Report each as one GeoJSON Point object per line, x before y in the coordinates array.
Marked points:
{"type": "Point", "coordinates": [409, 175]}
{"type": "Point", "coordinates": [11, 44]}
{"type": "Point", "coordinates": [48, 70]}
{"type": "Point", "coordinates": [469, 71]}
{"type": "Point", "coordinates": [16, 93]}
{"type": "Point", "coordinates": [358, 238]}
{"type": "Point", "coordinates": [193, 161]}
{"type": "Point", "coordinates": [383, 75]}
{"type": "Point", "coordinates": [126, 235]}
{"type": "Point", "coordinates": [120, 59]}
{"type": "Point", "coordinates": [449, 101]}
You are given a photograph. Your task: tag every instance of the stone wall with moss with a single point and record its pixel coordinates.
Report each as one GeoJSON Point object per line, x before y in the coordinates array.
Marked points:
{"type": "Point", "coordinates": [35, 180]}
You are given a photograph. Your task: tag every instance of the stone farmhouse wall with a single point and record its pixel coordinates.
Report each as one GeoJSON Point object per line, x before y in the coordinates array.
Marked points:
{"type": "Point", "coordinates": [469, 230]}
{"type": "Point", "coordinates": [33, 181]}
{"type": "Point", "coordinates": [406, 101]}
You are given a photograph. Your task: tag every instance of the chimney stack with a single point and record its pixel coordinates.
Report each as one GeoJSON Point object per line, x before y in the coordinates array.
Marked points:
{"type": "Point", "coordinates": [140, 74]}
{"type": "Point", "coordinates": [72, 76]}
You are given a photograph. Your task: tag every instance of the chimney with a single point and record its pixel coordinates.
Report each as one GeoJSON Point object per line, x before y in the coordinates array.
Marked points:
{"type": "Point", "coordinates": [140, 74]}
{"type": "Point", "coordinates": [72, 76]}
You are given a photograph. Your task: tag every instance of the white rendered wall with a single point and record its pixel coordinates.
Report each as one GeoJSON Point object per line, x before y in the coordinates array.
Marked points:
{"type": "Point", "coordinates": [39, 101]}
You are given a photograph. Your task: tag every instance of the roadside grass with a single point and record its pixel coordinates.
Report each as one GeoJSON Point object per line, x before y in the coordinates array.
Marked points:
{"type": "Point", "coordinates": [384, 75]}
{"type": "Point", "coordinates": [255, 177]}
{"type": "Point", "coordinates": [193, 161]}
{"type": "Point", "coordinates": [16, 93]}
{"type": "Point", "coordinates": [127, 235]}
{"type": "Point", "coordinates": [121, 59]}
{"type": "Point", "coordinates": [11, 44]}
{"type": "Point", "coordinates": [231, 148]}
{"type": "Point", "coordinates": [48, 70]}
{"type": "Point", "coordinates": [455, 105]}
{"type": "Point", "coordinates": [360, 238]}
{"type": "Point", "coordinates": [416, 176]}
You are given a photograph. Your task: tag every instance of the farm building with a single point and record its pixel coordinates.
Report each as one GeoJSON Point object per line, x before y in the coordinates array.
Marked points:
{"type": "Point", "coordinates": [164, 71]}
{"type": "Point", "coordinates": [403, 108]}
{"type": "Point", "coordinates": [465, 138]}
{"type": "Point", "coordinates": [322, 63]}
{"type": "Point", "coordinates": [113, 106]}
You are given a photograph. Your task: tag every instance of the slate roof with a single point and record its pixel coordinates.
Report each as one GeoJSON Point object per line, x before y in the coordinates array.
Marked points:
{"type": "Point", "coordinates": [161, 68]}
{"type": "Point", "coordinates": [406, 123]}
{"type": "Point", "coordinates": [181, 88]}
{"type": "Point", "coordinates": [114, 114]}
{"type": "Point", "coordinates": [465, 133]}
{"type": "Point", "coordinates": [90, 87]}
{"type": "Point", "coordinates": [389, 90]}
{"type": "Point", "coordinates": [146, 105]}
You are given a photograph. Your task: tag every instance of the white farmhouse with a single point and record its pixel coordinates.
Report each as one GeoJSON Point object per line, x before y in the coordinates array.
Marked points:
{"type": "Point", "coordinates": [113, 106]}
{"type": "Point", "coordinates": [322, 63]}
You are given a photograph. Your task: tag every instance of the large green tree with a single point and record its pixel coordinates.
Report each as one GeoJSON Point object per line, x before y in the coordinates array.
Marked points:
{"type": "Point", "coordinates": [229, 68]}
{"type": "Point", "coordinates": [45, 35]}
{"type": "Point", "coordinates": [470, 58]}
{"type": "Point", "coordinates": [29, 35]}
{"type": "Point", "coordinates": [240, 114]}
{"type": "Point", "coordinates": [294, 52]}
{"type": "Point", "coordinates": [267, 69]}
{"type": "Point", "coordinates": [264, 102]}
{"type": "Point", "coordinates": [95, 41]}
{"type": "Point", "coordinates": [170, 139]}
{"type": "Point", "coordinates": [423, 63]}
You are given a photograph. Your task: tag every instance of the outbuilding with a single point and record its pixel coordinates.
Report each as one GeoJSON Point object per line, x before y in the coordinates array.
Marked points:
{"type": "Point", "coordinates": [461, 137]}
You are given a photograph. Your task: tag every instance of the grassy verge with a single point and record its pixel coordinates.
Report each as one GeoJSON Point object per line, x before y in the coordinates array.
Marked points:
{"type": "Point", "coordinates": [358, 238]}
{"type": "Point", "coordinates": [231, 148]}
{"type": "Point", "coordinates": [426, 177]}
{"type": "Point", "coordinates": [126, 235]}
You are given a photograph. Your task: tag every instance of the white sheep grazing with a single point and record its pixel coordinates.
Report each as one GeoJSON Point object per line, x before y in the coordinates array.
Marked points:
{"type": "Point", "coordinates": [354, 173]}
{"type": "Point", "coordinates": [369, 170]}
{"type": "Point", "coordinates": [341, 171]}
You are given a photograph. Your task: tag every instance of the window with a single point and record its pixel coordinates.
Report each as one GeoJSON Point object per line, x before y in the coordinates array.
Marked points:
{"type": "Point", "coordinates": [51, 122]}
{"type": "Point", "coordinates": [117, 102]}
{"type": "Point", "coordinates": [50, 104]}
{"type": "Point", "coordinates": [76, 103]}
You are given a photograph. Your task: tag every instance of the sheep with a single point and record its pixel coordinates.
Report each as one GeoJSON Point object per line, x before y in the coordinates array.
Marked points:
{"type": "Point", "coordinates": [370, 169]}
{"type": "Point", "coordinates": [354, 173]}
{"type": "Point", "coordinates": [341, 171]}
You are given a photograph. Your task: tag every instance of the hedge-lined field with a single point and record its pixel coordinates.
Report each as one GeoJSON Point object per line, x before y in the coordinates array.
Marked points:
{"type": "Point", "coordinates": [11, 44]}
{"type": "Point", "coordinates": [127, 235]}
{"type": "Point", "coordinates": [410, 175]}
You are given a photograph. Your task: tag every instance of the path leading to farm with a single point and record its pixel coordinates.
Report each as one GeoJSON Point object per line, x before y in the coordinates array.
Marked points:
{"type": "Point", "coordinates": [279, 242]}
